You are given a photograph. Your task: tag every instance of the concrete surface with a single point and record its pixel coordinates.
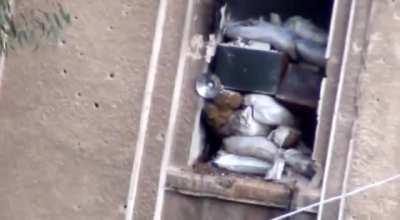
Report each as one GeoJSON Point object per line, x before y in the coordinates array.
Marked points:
{"type": "Point", "coordinates": [182, 207]}
{"type": "Point", "coordinates": [148, 177]}
{"type": "Point", "coordinates": [375, 139]}
{"type": "Point", "coordinates": [345, 110]}
{"type": "Point", "coordinates": [69, 114]}
{"type": "Point", "coordinates": [367, 120]}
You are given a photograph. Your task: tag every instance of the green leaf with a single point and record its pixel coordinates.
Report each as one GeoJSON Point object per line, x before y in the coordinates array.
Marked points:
{"type": "Point", "coordinates": [32, 28]}
{"type": "Point", "coordinates": [64, 14]}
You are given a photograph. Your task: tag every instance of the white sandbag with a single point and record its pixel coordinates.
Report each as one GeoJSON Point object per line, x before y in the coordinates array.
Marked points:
{"type": "Point", "coordinates": [306, 29]}
{"type": "Point", "coordinates": [285, 136]}
{"type": "Point", "coordinates": [241, 164]}
{"type": "Point", "coordinates": [280, 38]}
{"type": "Point", "coordinates": [268, 111]}
{"type": "Point", "coordinates": [243, 123]}
{"type": "Point", "coordinates": [259, 147]}
{"type": "Point", "coordinates": [311, 52]}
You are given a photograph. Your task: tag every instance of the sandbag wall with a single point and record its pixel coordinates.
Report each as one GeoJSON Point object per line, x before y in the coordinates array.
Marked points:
{"type": "Point", "coordinates": [262, 88]}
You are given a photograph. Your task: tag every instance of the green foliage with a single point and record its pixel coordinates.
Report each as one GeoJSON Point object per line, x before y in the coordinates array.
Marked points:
{"type": "Point", "coordinates": [21, 30]}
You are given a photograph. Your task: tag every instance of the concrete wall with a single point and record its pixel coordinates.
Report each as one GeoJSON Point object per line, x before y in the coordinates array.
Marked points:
{"type": "Point", "coordinates": [69, 113]}
{"type": "Point", "coordinates": [375, 140]}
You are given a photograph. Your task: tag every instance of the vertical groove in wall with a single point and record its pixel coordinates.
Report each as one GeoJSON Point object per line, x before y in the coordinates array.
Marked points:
{"type": "Point", "coordinates": [334, 125]}
{"type": "Point", "coordinates": [345, 111]}
{"type": "Point", "coordinates": [345, 180]}
{"type": "Point", "coordinates": [2, 67]}
{"type": "Point", "coordinates": [145, 113]}
{"type": "Point", "coordinates": [174, 111]}
{"type": "Point", "coordinates": [349, 160]}
{"type": "Point", "coordinates": [332, 29]}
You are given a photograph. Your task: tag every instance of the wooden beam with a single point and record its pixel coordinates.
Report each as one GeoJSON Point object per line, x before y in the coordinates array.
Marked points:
{"type": "Point", "coordinates": [232, 188]}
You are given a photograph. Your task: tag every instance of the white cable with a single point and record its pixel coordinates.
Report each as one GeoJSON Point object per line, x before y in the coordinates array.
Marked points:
{"type": "Point", "coordinates": [345, 195]}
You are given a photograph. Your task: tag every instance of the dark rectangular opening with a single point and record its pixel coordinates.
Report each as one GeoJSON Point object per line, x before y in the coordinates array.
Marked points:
{"type": "Point", "coordinates": [284, 89]}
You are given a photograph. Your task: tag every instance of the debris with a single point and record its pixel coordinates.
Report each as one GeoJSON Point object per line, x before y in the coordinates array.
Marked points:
{"type": "Point", "coordinates": [275, 19]}
{"type": "Point", "coordinates": [243, 123]}
{"type": "Point", "coordinates": [300, 162]}
{"type": "Point", "coordinates": [294, 178]}
{"type": "Point", "coordinates": [311, 52]}
{"type": "Point", "coordinates": [241, 164]}
{"type": "Point", "coordinates": [301, 146]}
{"type": "Point", "coordinates": [268, 111]}
{"type": "Point", "coordinates": [249, 44]}
{"type": "Point", "coordinates": [306, 29]}
{"type": "Point", "coordinates": [223, 16]}
{"type": "Point", "coordinates": [255, 65]}
{"type": "Point", "coordinates": [301, 85]}
{"type": "Point", "coordinates": [258, 45]}
{"type": "Point", "coordinates": [208, 85]}
{"type": "Point", "coordinates": [217, 117]}
{"type": "Point", "coordinates": [211, 48]}
{"type": "Point", "coordinates": [227, 99]}
{"type": "Point", "coordinates": [259, 147]}
{"type": "Point", "coordinates": [259, 30]}
{"type": "Point", "coordinates": [249, 70]}
{"type": "Point", "coordinates": [276, 172]}
{"type": "Point", "coordinates": [285, 137]}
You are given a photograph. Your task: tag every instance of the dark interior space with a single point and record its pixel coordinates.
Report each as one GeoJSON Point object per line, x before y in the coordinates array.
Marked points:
{"type": "Point", "coordinates": [319, 11]}
{"type": "Point", "coordinates": [279, 86]}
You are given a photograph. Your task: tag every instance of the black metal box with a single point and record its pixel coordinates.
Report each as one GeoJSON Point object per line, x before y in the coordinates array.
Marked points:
{"type": "Point", "coordinates": [249, 70]}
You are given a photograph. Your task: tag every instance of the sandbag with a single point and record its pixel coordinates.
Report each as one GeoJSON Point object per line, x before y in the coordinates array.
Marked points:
{"type": "Point", "coordinates": [241, 164]}
{"type": "Point", "coordinates": [268, 111]}
{"type": "Point", "coordinates": [258, 147]}
{"type": "Point", "coordinates": [279, 37]}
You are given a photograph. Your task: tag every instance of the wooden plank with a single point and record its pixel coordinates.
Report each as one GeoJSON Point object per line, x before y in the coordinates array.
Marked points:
{"type": "Point", "coordinates": [232, 188]}
{"type": "Point", "coordinates": [346, 108]}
